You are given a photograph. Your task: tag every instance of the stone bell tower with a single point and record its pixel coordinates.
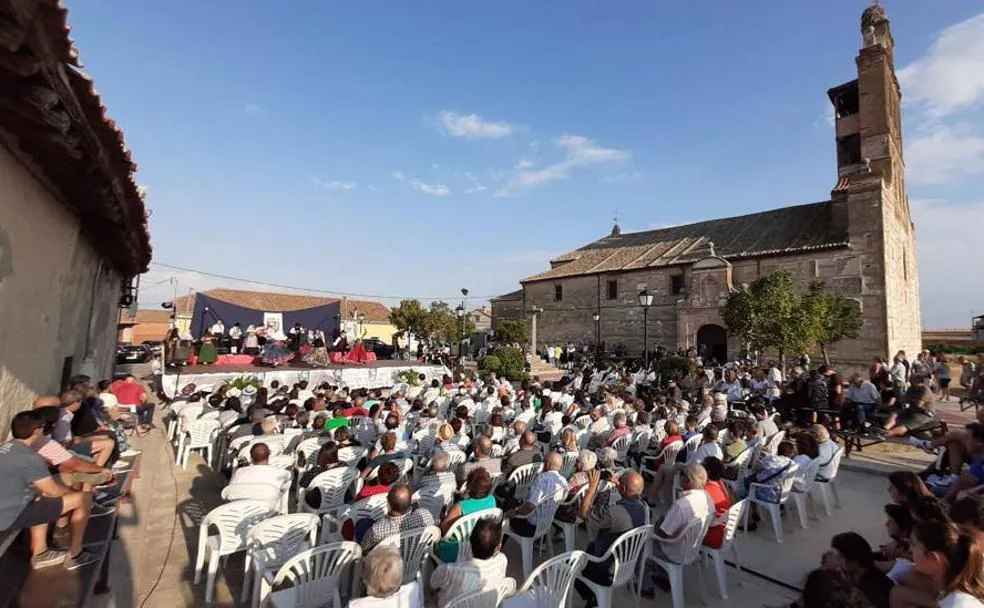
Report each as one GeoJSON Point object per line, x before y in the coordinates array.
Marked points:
{"type": "Point", "coordinates": [870, 201]}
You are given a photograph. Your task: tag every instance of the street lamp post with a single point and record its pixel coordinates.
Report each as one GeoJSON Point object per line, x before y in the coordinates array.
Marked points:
{"type": "Point", "coordinates": [645, 300]}
{"type": "Point", "coordinates": [461, 337]}
{"type": "Point", "coordinates": [597, 320]}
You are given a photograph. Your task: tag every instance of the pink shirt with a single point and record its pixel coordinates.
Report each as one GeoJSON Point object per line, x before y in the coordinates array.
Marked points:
{"type": "Point", "coordinates": [51, 451]}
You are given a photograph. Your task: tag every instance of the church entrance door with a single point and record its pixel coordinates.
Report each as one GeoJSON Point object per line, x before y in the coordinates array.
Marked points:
{"type": "Point", "coordinates": [712, 341]}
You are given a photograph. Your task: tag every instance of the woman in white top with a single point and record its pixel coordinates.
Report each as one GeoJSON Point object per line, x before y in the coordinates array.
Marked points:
{"type": "Point", "coordinates": [953, 560]}
{"type": "Point", "coordinates": [382, 570]}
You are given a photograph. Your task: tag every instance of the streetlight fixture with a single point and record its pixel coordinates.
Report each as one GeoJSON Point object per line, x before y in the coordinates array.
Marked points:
{"type": "Point", "coordinates": [597, 320]}
{"type": "Point", "coordinates": [645, 300]}
{"type": "Point", "coordinates": [460, 311]}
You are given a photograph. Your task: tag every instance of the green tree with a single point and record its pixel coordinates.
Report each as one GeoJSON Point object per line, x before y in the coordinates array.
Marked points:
{"type": "Point", "coordinates": [443, 324]}
{"type": "Point", "coordinates": [410, 317]}
{"type": "Point", "coordinates": [770, 315]}
{"type": "Point", "coordinates": [515, 330]}
{"type": "Point", "coordinates": [834, 317]}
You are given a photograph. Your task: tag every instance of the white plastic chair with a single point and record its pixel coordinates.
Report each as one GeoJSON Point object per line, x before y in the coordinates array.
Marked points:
{"type": "Point", "coordinates": [544, 512]}
{"type": "Point", "coordinates": [270, 544]}
{"type": "Point", "coordinates": [434, 499]}
{"type": "Point", "coordinates": [668, 455]}
{"type": "Point", "coordinates": [826, 485]}
{"type": "Point", "coordinates": [331, 485]}
{"type": "Point", "coordinates": [621, 447]}
{"type": "Point", "coordinates": [485, 598]}
{"type": "Point", "coordinates": [316, 576]}
{"type": "Point", "coordinates": [372, 508]}
{"type": "Point", "coordinates": [200, 436]}
{"type": "Point", "coordinates": [735, 515]}
{"type": "Point", "coordinates": [772, 444]}
{"type": "Point", "coordinates": [523, 477]}
{"type": "Point", "coordinates": [351, 455]}
{"type": "Point", "coordinates": [806, 477]}
{"type": "Point", "coordinates": [772, 508]}
{"type": "Point", "coordinates": [461, 530]}
{"type": "Point", "coordinates": [415, 547]}
{"type": "Point", "coordinates": [693, 443]}
{"type": "Point", "coordinates": [569, 465]}
{"type": "Point", "coordinates": [307, 452]}
{"type": "Point", "coordinates": [232, 522]}
{"type": "Point", "coordinates": [692, 539]}
{"type": "Point", "coordinates": [550, 583]}
{"type": "Point", "coordinates": [570, 528]}
{"type": "Point", "coordinates": [742, 462]}
{"type": "Point", "coordinates": [624, 552]}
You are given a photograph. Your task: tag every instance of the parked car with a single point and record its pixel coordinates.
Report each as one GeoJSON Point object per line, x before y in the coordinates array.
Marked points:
{"type": "Point", "coordinates": [155, 346]}
{"type": "Point", "coordinates": [380, 348]}
{"type": "Point", "coordinates": [133, 353]}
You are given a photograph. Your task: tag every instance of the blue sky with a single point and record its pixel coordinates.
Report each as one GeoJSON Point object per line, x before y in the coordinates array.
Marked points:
{"type": "Point", "coordinates": [413, 148]}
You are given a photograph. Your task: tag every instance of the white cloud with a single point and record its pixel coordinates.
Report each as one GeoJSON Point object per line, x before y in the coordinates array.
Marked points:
{"type": "Point", "coordinates": [943, 234]}
{"type": "Point", "coordinates": [472, 126]}
{"type": "Point", "coordinates": [524, 163]}
{"type": "Point", "coordinates": [334, 185]}
{"type": "Point", "coordinates": [398, 175]}
{"type": "Point", "coordinates": [939, 153]}
{"type": "Point", "coordinates": [252, 109]}
{"type": "Point", "coordinates": [579, 151]}
{"type": "Point", "coordinates": [951, 74]}
{"type": "Point", "coordinates": [475, 189]}
{"type": "Point", "coordinates": [373, 188]}
{"type": "Point", "coordinates": [431, 189]}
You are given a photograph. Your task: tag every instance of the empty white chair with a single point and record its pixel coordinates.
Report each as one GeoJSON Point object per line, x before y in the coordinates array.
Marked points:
{"type": "Point", "coordinates": [828, 491]}
{"type": "Point", "coordinates": [570, 528]}
{"type": "Point", "coordinates": [550, 584]}
{"type": "Point", "coordinates": [200, 436]}
{"type": "Point", "coordinates": [461, 530]}
{"type": "Point", "coordinates": [772, 508]}
{"type": "Point", "coordinates": [316, 575]}
{"type": "Point", "coordinates": [270, 544]}
{"type": "Point", "coordinates": [487, 598]}
{"type": "Point", "coordinates": [232, 522]}
{"type": "Point", "coordinates": [735, 515]}
{"type": "Point", "coordinates": [415, 546]}
{"type": "Point", "coordinates": [624, 553]}
{"type": "Point", "coordinates": [523, 477]}
{"type": "Point", "coordinates": [544, 512]}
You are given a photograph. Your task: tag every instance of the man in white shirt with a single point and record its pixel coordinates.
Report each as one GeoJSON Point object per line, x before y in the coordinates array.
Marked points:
{"type": "Point", "coordinates": [236, 337]}
{"type": "Point", "coordinates": [549, 485]}
{"type": "Point", "coordinates": [663, 482]}
{"type": "Point", "coordinates": [693, 508]}
{"type": "Point", "coordinates": [258, 481]}
{"type": "Point", "coordinates": [863, 395]}
{"type": "Point", "coordinates": [485, 569]}
{"type": "Point", "coordinates": [826, 450]}
{"type": "Point", "coordinates": [218, 328]}
{"type": "Point", "coordinates": [528, 415]}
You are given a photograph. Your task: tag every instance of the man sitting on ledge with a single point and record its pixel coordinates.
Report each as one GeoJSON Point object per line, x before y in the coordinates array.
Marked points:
{"type": "Point", "coordinates": [31, 498]}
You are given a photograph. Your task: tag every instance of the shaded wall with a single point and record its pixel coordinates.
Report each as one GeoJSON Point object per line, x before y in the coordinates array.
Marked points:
{"type": "Point", "coordinates": [58, 303]}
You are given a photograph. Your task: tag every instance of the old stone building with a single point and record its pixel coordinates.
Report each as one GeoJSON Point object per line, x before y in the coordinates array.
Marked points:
{"type": "Point", "coordinates": [73, 229]}
{"type": "Point", "coordinates": [860, 241]}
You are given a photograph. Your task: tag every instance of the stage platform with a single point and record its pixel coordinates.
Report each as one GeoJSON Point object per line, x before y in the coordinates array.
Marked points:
{"type": "Point", "coordinates": [374, 374]}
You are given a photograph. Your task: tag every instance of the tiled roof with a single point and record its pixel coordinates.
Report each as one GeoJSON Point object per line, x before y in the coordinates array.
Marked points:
{"type": "Point", "coordinates": [286, 302]}
{"type": "Point", "coordinates": [787, 230]}
{"type": "Point", "coordinates": [147, 316]}
{"type": "Point", "coordinates": [512, 295]}
{"type": "Point", "coordinates": [55, 123]}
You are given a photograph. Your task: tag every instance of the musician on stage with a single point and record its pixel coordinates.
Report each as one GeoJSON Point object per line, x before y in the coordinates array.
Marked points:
{"type": "Point", "coordinates": [235, 338]}
{"type": "Point", "coordinates": [295, 337]}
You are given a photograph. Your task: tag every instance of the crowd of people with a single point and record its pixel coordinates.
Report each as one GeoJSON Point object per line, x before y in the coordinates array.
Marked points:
{"type": "Point", "coordinates": [61, 466]}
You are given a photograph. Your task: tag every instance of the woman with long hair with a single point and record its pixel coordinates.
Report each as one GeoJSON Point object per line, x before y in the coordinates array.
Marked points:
{"type": "Point", "coordinates": [952, 562]}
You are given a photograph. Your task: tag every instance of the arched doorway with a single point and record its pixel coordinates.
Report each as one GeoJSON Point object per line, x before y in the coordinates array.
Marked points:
{"type": "Point", "coordinates": [712, 341]}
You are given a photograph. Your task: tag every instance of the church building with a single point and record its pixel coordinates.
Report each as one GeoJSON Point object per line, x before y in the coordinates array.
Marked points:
{"type": "Point", "coordinates": [860, 241]}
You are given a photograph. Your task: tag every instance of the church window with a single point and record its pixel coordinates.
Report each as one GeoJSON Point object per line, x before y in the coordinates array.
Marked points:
{"type": "Point", "coordinates": [558, 293]}
{"type": "Point", "coordinates": [849, 150]}
{"type": "Point", "coordinates": [613, 290]}
{"type": "Point", "coordinates": [676, 284]}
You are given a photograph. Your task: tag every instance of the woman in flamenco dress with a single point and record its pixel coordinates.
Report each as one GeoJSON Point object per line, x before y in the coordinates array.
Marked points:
{"type": "Point", "coordinates": [275, 351]}
{"type": "Point", "coordinates": [318, 355]}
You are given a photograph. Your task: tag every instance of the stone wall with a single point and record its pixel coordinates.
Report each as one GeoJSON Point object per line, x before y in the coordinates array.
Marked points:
{"type": "Point", "coordinates": [56, 298]}
{"type": "Point", "coordinates": [506, 310]}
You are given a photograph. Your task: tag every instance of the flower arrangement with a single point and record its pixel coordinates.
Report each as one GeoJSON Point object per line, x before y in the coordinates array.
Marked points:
{"type": "Point", "coordinates": [242, 382]}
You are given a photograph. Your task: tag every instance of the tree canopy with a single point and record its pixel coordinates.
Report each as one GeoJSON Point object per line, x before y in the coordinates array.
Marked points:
{"type": "Point", "coordinates": [438, 322]}
{"type": "Point", "coordinates": [512, 330]}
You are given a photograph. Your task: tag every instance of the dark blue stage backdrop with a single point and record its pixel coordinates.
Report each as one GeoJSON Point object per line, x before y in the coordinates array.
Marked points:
{"type": "Point", "coordinates": [208, 310]}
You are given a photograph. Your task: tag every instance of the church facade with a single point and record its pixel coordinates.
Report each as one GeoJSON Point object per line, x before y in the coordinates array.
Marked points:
{"type": "Point", "coordinates": [860, 241]}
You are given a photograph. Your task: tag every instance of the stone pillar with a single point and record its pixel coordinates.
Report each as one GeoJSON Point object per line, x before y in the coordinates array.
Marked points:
{"type": "Point", "coordinates": [533, 334]}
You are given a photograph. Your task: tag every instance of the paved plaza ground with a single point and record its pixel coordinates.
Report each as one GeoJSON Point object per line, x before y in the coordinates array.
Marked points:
{"type": "Point", "coordinates": [152, 562]}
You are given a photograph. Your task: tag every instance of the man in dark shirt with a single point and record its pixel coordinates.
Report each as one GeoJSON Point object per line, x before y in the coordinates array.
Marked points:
{"type": "Point", "coordinates": [851, 553]}
{"type": "Point", "coordinates": [606, 523]}
{"type": "Point", "coordinates": [506, 492]}
{"type": "Point", "coordinates": [918, 410]}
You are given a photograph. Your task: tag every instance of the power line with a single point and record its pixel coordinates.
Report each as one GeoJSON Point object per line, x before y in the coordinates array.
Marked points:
{"type": "Point", "coordinates": [310, 289]}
